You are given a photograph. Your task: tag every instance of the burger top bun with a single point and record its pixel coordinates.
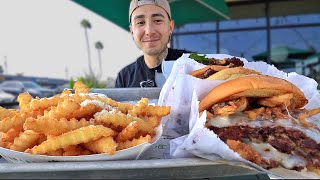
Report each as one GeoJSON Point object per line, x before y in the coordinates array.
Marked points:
{"type": "Point", "coordinates": [253, 86]}
{"type": "Point", "coordinates": [231, 73]}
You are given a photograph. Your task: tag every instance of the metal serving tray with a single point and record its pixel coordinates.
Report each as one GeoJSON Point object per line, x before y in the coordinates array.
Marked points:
{"type": "Point", "coordinates": [129, 94]}
{"type": "Point", "coordinates": [185, 168]}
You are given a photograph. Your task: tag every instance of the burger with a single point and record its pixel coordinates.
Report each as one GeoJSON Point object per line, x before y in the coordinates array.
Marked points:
{"type": "Point", "coordinates": [262, 119]}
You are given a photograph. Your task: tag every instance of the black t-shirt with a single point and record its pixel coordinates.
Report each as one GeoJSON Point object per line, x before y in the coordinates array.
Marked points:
{"type": "Point", "coordinates": [137, 74]}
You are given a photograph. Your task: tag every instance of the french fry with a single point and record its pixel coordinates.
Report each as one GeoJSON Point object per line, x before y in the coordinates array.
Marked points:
{"type": "Point", "coordinates": [44, 103]}
{"type": "Point", "coordinates": [153, 121]}
{"type": "Point", "coordinates": [58, 152]}
{"type": "Point", "coordinates": [122, 107]}
{"type": "Point", "coordinates": [85, 152]}
{"type": "Point", "coordinates": [24, 99]}
{"type": "Point", "coordinates": [63, 109]}
{"type": "Point", "coordinates": [5, 144]}
{"type": "Point", "coordinates": [84, 111]}
{"type": "Point", "coordinates": [102, 145]}
{"type": "Point", "coordinates": [55, 127]}
{"type": "Point", "coordinates": [11, 134]}
{"type": "Point", "coordinates": [10, 122]}
{"type": "Point", "coordinates": [134, 142]}
{"type": "Point", "coordinates": [73, 150]}
{"type": "Point", "coordinates": [35, 113]}
{"type": "Point", "coordinates": [42, 138]}
{"type": "Point", "coordinates": [25, 140]}
{"type": "Point", "coordinates": [139, 108]}
{"type": "Point", "coordinates": [123, 120]}
{"type": "Point", "coordinates": [159, 111]}
{"type": "Point", "coordinates": [111, 102]}
{"type": "Point", "coordinates": [79, 98]}
{"type": "Point", "coordinates": [78, 136]}
{"type": "Point", "coordinates": [128, 133]}
{"type": "Point", "coordinates": [79, 87]}
{"type": "Point", "coordinates": [7, 113]}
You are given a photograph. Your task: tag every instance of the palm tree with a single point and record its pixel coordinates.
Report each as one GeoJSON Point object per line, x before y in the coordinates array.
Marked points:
{"type": "Point", "coordinates": [99, 47]}
{"type": "Point", "coordinates": [86, 25]}
{"type": "Point", "coordinates": [5, 65]}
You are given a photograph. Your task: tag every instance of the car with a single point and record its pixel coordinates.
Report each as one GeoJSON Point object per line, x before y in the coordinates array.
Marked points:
{"type": "Point", "coordinates": [6, 98]}
{"type": "Point", "coordinates": [16, 87]}
{"type": "Point", "coordinates": [45, 92]}
{"type": "Point", "coordinates": [62, 87]}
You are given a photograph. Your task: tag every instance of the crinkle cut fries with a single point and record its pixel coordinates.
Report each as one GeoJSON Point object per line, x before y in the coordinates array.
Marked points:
{"type": "Point", "coordinates": [79, 123]}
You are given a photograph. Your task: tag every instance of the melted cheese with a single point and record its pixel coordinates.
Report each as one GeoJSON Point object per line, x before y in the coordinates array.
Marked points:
{"type": "Point", "coordinates": [268, 152]}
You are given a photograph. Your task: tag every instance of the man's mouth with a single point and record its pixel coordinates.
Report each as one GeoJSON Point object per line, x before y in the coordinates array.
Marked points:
{"type": "Point", "coordinates": [150, 40]}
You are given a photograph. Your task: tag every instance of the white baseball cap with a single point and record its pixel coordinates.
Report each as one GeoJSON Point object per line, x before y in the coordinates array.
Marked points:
{"type": "Point", "coordinates": [164, 4]}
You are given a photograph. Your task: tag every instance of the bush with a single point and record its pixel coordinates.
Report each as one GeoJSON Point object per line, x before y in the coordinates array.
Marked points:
{"type": "Point", "coordinates": [91, 83]}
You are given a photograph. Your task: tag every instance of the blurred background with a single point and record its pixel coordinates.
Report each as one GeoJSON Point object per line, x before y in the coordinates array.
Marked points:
{"type": "Point", "coordinates": [47, 44]}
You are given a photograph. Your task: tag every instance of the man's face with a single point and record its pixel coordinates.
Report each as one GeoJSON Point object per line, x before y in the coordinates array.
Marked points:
{"type": "Point", "coordinates": [151, 29]}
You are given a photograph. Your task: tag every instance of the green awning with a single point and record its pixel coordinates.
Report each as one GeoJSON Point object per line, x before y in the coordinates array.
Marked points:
{"type": "Point", "coordinates": [183, 11]}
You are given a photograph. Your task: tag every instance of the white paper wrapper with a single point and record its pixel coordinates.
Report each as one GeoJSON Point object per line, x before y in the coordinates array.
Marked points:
{"type": "Point", "coordinates": [182, 92]}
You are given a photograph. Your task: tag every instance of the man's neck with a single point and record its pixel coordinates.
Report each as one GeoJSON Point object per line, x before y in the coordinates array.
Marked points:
{"type": "Point", "coordinates": [155, 61]}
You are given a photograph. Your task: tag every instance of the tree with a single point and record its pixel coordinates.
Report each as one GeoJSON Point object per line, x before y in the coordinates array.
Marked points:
{"type": "Point", "coordinates": [86, 25]}
{"type": "Point", "coordinates": [99, 47]}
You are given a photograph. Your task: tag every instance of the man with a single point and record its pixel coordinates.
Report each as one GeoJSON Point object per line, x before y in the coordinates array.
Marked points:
{"type": "Point", "coordinates": [151, 27]}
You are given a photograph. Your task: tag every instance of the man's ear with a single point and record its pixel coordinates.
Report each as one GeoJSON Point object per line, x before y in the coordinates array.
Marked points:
{"type": "Point", "coordinates": [131, 33]}
{"type": "Point", "coordinates": [171, 26]}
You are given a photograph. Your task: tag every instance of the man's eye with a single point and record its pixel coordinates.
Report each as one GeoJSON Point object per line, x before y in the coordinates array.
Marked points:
{"type": "Point", "coordinates": [158, 20]}
{"type": "Point", "coordinates": [140, 22]}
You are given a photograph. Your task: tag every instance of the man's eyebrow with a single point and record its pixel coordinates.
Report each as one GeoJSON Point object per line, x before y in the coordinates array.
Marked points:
{"type": "Point", "coordinates": [139, 17]}
{"type": "Point", "coordinates": [153, 15]}
{"type": "Point", "coordinates": [157, 14]}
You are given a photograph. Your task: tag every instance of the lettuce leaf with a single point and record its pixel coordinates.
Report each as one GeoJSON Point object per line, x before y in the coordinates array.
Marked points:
{"type": "Point", "coordinates": [198, 58]}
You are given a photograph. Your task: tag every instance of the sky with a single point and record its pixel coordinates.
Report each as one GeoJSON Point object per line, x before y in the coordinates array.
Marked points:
{"type": "Point", "coordinates": [44, 38]}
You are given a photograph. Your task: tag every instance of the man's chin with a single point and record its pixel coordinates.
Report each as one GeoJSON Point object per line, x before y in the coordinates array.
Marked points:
{"type": "Point", "coordinates": [152, 51]}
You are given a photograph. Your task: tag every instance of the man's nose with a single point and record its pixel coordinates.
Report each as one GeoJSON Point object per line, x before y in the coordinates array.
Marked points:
{"type": "Point", "coordinates": [150, 29]}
